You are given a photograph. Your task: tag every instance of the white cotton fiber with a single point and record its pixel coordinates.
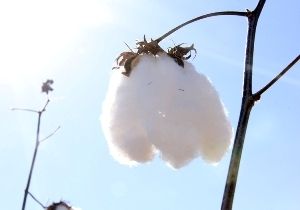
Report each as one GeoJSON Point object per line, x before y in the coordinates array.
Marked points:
{"type": "Point", "coordinates": [166, 109]}
{"type": "Point", "coordinates": [61, 207]}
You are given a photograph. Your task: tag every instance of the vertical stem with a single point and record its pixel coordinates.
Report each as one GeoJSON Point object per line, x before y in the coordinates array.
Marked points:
{"type": "Point", "coordinates": [37, 143]}
{"type": "Point", "coordinates": [247, 104]}
{"type": "Point", "coordinates": [233, 170]}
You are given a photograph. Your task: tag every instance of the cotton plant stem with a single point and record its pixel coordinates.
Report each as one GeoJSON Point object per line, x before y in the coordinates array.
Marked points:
{"type": "Point", "coordinates": [37, 143]}
{"type": "Point", "coordinates": [247, 104]}
{"type": "Point", "coordinates": [231, 13]}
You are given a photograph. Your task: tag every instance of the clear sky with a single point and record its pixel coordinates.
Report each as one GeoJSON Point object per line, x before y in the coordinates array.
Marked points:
{"type": "Point", "coordinates": [75, 43]}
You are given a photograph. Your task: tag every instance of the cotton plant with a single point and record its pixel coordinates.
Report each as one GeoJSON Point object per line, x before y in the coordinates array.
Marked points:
{"type": "Point", "coordinates": [46, 88]}
{"type": "Point", "coordinates": [158, 103]}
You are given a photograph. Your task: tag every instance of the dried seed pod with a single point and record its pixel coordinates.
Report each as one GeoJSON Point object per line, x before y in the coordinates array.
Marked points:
{"type": "Point", "coordinates": [46, 87]}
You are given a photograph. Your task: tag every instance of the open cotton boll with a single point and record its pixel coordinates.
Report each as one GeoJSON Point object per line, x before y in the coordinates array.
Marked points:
{"type": "Point", "coordinates": [163, 107]}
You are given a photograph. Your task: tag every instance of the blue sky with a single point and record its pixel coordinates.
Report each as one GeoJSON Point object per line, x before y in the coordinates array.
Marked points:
{"type": "Point", "coordinates": [75, 43]}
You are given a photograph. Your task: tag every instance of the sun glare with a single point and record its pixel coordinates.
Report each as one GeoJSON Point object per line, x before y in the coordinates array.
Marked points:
{"type": "Point", "coordinates": [35, 32]}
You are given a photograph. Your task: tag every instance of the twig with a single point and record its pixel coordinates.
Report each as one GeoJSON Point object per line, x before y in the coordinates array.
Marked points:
{"type": "Point", "coordinates": [258, 94]}
{"type": "Point", "coordinates": [44, 139]}
{"type": "Point", "coordinates": [27, 110]}
{"type": "Point", "coordinates": [128, 47]}
{"type": "Point", "coordinates": [44, 108]}
{"type": "Point", "coordinates": [36, 200]}
{"type": "Point", "coordinates": [232, 13]}
{"type": "Point", "coordinates": [32, 110]}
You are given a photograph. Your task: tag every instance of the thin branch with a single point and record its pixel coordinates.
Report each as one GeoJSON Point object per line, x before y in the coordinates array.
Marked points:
{"type": "Point", "coordinates": [232, 13]}
{"type": "Point", "coordinates": [36, 200]}
{"type": "Point", "coordinates": [27, 110]}
{"type": "Point", "coordinates": [44, 108]}
{"type": "Point", "coordinates": [258, 94]}
{"type": "Point", "coordinates": [246, 107]}
{"type": "Point", "coordinates": [128, 47]}
{"type": "Point", "coordinates": [44, 139]}
{"type": "Point", "coordinates": [32, 110]}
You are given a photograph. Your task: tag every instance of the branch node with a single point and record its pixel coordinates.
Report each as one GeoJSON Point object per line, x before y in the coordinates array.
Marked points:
{"type": "Point", "coordinates": [249, 13]}
{"type": "Point", "coordinates": [256, 97]}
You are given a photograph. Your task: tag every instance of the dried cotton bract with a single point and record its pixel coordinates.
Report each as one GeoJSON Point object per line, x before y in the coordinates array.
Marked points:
{"type": "Point", "coordinates": [164, 108]}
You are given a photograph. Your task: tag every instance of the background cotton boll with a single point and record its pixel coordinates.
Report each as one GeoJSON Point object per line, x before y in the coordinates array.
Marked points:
{"type": "Point", "coordinates": [164, 107]}
{"type": "Point", "coordinates": [60, 206]}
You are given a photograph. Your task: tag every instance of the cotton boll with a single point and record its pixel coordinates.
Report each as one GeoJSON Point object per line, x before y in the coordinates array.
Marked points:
{"type": "Point", "coordinates": [166, 108]}
{"type": "Point", "coordinates": [59, 206]}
